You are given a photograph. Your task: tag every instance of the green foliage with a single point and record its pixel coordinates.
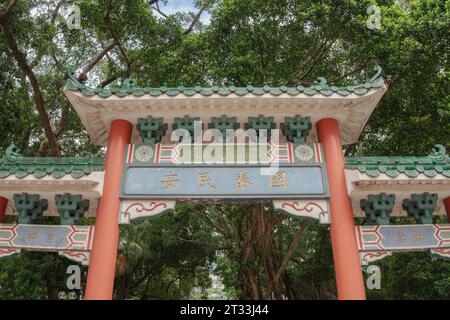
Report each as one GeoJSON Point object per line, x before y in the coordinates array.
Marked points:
{"type": "Point", "coordinates": [164, 258]}
{"type": "Point", "coordinates": [34, 275]}
{"type": "Point", "coordinates": [413, 276]}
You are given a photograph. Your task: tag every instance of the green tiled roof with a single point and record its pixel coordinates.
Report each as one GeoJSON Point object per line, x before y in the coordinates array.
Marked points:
{"type": "Point", "coordinates": [129, 87]}
{"type": "Point", "coordinates": [438, 162]}
{"type": "Point", "coordinates": [13, 163]}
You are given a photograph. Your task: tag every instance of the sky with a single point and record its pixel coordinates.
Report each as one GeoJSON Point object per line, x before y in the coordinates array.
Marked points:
{"type": "Point", "coordinates": [173, 6]}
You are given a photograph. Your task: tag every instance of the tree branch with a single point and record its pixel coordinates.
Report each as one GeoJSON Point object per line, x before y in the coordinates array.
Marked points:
{"type": "Point", "coordinates": [316, 56]}
{"type": "Point", "coordinates": [37, 94]}
{"type": "Point", "coordinates": [352, 72]}
{"type": "Point", "coordinates": [287, 257]}
{"type": "Point", "coordinates": [56, 11]}
{"type": "Point", "coordinates": [91, 65]}
{"type": "Point", "coordinates": [7, 9]}
{"type": "Point", "coordinates": [157, 9]}
{"type": "Point", "coordinates": [196, 18]}
{"type": "Point", "coordinates": [62, 125]}
{"type": "Point", "coordinates": [117, 41]}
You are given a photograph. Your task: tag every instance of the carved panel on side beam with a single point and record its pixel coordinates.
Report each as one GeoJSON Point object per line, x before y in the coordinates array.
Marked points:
{"type": "Point", "coordinates": [441, 253]}
{"type": "Point", "coordinates": [141, 209]}
{"type": "Point", "coordinates": [368, 257]}
{"type": "Point", "coordinates": [379, 241]}
{"type": "Point", "coordinates": [82, 257]}
{"type": "Point", "coordinates": [73, 242]}
{"type": "Point", "coordinates": [310, 209]}
{"type": "Point", "coordinates": [7, 252]}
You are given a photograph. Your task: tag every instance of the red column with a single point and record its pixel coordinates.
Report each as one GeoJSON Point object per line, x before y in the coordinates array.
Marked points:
{"type": "Point", "coordinates": [447, 208]}
{"type": "Point", "coordinates": [3, 204]}
{"type": "Point", "coordinates": [349, 278]}
{"type": "Point", "coordinates": [100, 280]}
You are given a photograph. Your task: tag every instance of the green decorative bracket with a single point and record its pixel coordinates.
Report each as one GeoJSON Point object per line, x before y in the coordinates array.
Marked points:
{"type": "Point", "coordinates": [151, 129]}
{"type": "Point", "coordinates": [70, 207]}
{"type": "Point", "coordinates": [186, 123]}
{"type": "Point", "coordinates": [296, 129]}
{"type": "Point", "coordinates": [421, 207]}
{"type": "Point", "coordinates": [378, 207]}
{"type": "Point", "coordinates": [260, 123]}
{"type": "Point", "coordinates": [223, 123]}
{"type": "Point", "coordinates": [30, 207]}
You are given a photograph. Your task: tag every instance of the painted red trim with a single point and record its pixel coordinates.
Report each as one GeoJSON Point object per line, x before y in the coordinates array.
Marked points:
{"type": "Point", "coordinates": [11, 228]}
{"type": "Point", "coordinates": [290, 147]}
{"type": "Point", "coordinates": [437, 235]}
{"type": "Point", "coordinates": [69, 237]}
{"type": "Point", "coordinates": [130, 153]}
{"type": "Point", "coordinates": [359, 237]}
{"type": "Point", "coordinates": [3, 206]}
{"type": "Point", "coordinates": [89, 244]}
{"type": "Point", "coordinates": [318, 155]}
{"type": "Point", "coordinates": [157, 152]}
{"type": "Point", "coordinates": [447, 208]}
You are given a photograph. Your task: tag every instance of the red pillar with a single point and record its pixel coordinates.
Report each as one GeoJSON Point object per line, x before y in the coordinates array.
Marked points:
{"type": "Point", "coordinates": [3, 204]}
{"type": "Point", "coordinates": [349, 278]}
{"type": "Point", "coordinates": [100, 280]}
{"type": "Point", "coordinates": [447, 208]}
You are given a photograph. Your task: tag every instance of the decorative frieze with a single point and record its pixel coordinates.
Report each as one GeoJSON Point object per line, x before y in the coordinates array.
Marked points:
{"type": "Point", "coordinates": [151, 129]}
{"type": "Point", "coordinates": [296, 129]}
{"type": "Point", "coordinates": [70, 207]}
{"type": "Point", "coordinates": [266, 124]}
{"type": "Point", "coordinates": [224, 123]}
{"type": "Point", "coordinates": [29, 207]}
{"type": "Point", "coordinates": [186, 123]}
{"type": "Point", "coordinates": [378, 207]}
{"type": "Point", "coordinates": [317, 209]}
{"type": "Point", "coordinates": [143, 209]}
{"type": "Point", "coordinates": [421, 207]}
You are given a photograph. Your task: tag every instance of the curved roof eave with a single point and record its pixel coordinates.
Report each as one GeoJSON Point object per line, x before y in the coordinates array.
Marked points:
{"type": "Point", "coordinates": [351, 106]}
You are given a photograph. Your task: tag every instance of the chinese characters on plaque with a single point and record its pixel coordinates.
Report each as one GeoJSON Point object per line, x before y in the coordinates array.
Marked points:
{"type": "Point", "coordinates": [416, 236]}
{"type": "Point", "coordinates": [241, 181]}
{"type": "Point", "coordinates": [223, 181]}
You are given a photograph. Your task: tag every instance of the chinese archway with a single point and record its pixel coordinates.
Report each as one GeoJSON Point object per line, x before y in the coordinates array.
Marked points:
{"type": "Point", "coordinates": [303, 172]}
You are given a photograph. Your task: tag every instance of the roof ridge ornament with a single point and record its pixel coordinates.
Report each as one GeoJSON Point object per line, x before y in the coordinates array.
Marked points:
{"type": "Point", "coordinates": [129, 86]}
{"type": "Point", "coordinates": [439, 153]}
{"type": "Point", "coordinates": [70, 74]}
{"type": "Point", "coordinates": [322, 81]}
{"type": "Point", "coordinates": [12, 153]}
{"type": "Point", "coordinates": [379, 72]}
